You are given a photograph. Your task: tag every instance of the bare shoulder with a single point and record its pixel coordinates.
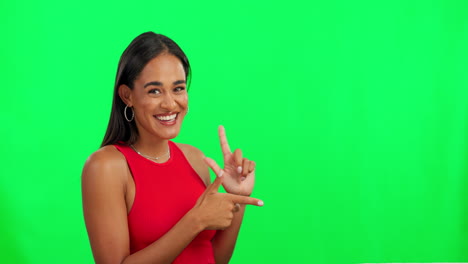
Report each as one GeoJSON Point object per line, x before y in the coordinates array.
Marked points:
{"type": "Point", "coordinates": [195, 158]}
{"type": "Point", "coordinates": [190, 150]}
{"type": "Point", "coordinates": [106, 154]}
{"type": "Point", "coordinates": [107, 163]}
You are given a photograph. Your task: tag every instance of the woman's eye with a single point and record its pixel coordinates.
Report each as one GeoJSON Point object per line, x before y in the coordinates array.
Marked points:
{"type": "Point", "coordinates": [179, 89]}
{"type": "Point", "coordinates": [154, 91]}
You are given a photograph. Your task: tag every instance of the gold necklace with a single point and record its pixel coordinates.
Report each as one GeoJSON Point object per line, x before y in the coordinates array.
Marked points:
{"type": "Point", "coordinates": [149, 157]}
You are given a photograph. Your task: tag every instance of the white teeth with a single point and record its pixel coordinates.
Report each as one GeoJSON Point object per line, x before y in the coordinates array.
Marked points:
{"type": "Point", "coordinates": [167, 117]}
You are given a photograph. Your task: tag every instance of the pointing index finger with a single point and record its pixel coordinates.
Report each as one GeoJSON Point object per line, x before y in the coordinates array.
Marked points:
{"type": "Point", "coordinates": [245, 200]}
{"type": "Point", "coordinates": [214, 186]}
{"type": "Point", "coordinates": [217, 170]}
{"type": "Point", "coordinates": [223, 140]}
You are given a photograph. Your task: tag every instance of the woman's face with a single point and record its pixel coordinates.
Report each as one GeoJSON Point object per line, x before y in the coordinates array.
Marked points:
{"type": "Point", "coordinates": [159, 97]}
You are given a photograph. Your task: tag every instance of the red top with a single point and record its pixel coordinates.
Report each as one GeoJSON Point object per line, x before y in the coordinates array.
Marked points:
{"type": "Point", "coordinates": [164, 193]}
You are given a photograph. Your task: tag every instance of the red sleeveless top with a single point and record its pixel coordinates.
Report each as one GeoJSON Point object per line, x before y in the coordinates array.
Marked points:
{"type": "Point", "coordinates": [164, 193]}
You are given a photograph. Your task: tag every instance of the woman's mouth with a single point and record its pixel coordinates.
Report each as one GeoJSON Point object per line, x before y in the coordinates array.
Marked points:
{"type": "Point", "coordinates": [167, 119]}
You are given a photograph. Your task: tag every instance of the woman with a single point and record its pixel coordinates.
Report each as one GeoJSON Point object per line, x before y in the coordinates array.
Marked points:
{"type": "Point", "coordinates": [147, 199]}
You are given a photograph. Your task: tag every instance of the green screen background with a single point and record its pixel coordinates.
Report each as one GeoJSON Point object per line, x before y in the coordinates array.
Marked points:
{"type": "Point", "coordinates": [355, 112]}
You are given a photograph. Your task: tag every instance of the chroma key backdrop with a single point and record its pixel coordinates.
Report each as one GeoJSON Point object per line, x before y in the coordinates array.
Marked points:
{"type": "Point", "coordinates": [355, 112]}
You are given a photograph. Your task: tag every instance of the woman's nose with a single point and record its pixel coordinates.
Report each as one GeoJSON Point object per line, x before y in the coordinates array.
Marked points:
{"type": "Point", "coordinates": [168, 102]}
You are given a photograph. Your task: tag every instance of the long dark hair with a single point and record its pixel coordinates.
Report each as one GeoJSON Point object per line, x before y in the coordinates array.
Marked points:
{"type": "Point", "coordinates": [141, 50]}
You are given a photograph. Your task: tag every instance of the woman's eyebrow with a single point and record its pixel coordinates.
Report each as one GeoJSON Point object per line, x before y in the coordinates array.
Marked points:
{"type": "Point", "coordinates": [178, 82]}
{"type": "Point", "coordinates": [153, 83]}
{"type": "Point", "coordinates": [160, 83]}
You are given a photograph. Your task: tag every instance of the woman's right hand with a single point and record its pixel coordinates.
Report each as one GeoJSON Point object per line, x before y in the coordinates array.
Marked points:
{"type": "Point", "coordinates": [215, 210]}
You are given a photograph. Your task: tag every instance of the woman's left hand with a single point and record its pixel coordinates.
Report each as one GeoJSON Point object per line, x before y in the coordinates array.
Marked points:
{"type": "Point", "coordinates": [238, 172]}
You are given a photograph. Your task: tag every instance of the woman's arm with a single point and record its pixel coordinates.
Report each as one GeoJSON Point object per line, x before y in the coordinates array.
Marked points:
{"type": "Point", "coordinates": [239, 180]}
{"type": "Point", "coordinates": [105, 212]}
{"type": "Point", "coordinates": [224, 240]}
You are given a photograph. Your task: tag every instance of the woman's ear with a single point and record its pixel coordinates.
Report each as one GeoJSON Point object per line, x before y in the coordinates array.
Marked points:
{"type": "Point", "coordinates": [125, 94]}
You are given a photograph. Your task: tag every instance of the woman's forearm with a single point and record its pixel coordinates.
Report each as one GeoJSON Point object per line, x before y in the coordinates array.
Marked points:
{"type": "Point", "coordinates": [170, 245]}
{"type": "Point", "coordinates": [225, 241]}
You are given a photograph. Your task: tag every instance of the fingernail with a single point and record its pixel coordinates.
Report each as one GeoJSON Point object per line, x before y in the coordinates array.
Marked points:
{"type": "Point", "coordinates": [221, 173]}
{"type": "Point", "coordinates": [242, 178]}
{"type": "Point", "coordinates": [239, 169]}
{"type": "Point", "coordinates": [260, 203]}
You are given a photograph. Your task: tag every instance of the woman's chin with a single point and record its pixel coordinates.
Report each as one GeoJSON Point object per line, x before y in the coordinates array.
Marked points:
{"type": "Point", "coordinates": [168, 133]}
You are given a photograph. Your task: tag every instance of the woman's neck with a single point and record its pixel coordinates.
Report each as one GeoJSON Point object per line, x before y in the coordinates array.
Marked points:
{"type": "Point", "coordinates": [151, 147]}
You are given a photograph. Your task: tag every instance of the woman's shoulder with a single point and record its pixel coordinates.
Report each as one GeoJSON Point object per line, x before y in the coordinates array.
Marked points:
{"type": "Point", "coordinates": [106, 162]}
{"type": "Point", "coordinates": [191, 151]}
{"type": "Point", "coordinates": [195, 157]}
{"type": "Point", "coordinates": [106, 156]}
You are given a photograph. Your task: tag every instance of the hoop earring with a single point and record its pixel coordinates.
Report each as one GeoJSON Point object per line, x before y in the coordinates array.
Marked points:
{"type": "Point", "coordinates": [125, 114]}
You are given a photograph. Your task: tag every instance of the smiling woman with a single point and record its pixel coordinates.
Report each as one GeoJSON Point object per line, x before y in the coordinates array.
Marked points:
{"type": "Point", "coordinates": [147, 199]}
{"type": "Point", "coordinates": [164, 100]}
